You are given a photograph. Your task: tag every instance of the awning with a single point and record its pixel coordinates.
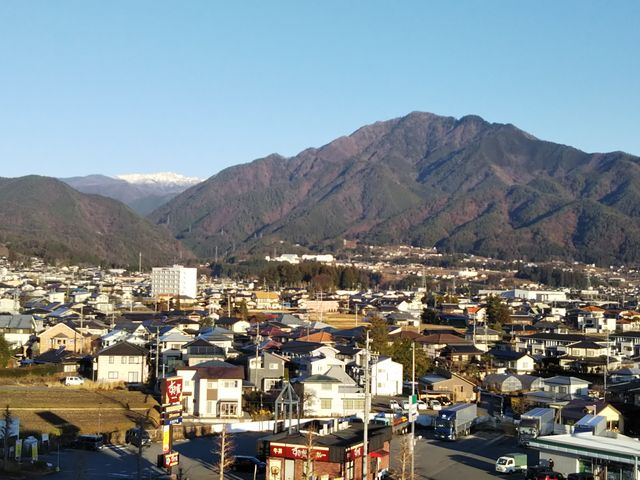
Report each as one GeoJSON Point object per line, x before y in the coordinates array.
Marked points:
{"type": "Point", "coordinates": [379, 454]}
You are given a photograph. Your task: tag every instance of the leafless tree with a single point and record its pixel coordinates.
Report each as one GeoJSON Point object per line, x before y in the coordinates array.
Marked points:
{"type": "Point", "coordinates": [224, 449]}
{"type": "Point", "coordinates": [311, 453]}
{"type": "Point", "coordinates": [6, 430]}
{"type": "Point", "coordinates": [405, 457]}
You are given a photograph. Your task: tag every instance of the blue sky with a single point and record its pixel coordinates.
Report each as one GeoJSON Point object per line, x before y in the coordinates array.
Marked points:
{"type": "Point", "coordinates": [193, 87]}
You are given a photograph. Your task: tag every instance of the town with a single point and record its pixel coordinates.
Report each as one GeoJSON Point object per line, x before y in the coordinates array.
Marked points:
{"type": "Point", "coordinates": [176, 372]}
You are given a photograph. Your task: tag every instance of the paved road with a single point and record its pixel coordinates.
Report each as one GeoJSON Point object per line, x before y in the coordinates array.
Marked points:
{"type": "Point", "coordinates": [197, 460]}
{"type": "Point", "coordinates": [470, 458]}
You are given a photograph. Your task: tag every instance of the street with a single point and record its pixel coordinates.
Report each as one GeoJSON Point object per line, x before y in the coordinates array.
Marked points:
{"type": "Point", "coordinates": [470, 458]}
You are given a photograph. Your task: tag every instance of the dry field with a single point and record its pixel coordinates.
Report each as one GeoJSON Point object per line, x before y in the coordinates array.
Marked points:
{"type": "Point", "coordinates": [66, 411]}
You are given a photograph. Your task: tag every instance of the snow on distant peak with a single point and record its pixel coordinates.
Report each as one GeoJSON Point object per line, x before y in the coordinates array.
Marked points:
{"type": "Point", "coordinates": [160, 178]}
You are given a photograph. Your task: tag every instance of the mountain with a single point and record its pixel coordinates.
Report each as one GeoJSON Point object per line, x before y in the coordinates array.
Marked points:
{"type": "Point", "coordinates": [462, 185]}
{"type": "Point", "coordinates": [142, 192]}
{"type": "Point", "coordinates": [45, 217]}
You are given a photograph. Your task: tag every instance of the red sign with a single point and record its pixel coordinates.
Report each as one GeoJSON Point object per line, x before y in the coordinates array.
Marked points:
{"type": "Point", "coordinates": [298, 452]}
{"type": "Point", "coordinates": [171, 459]}
{"type": "Point", "coordinates": [355, 452]}
{"type": "Point", "coordinates": [171, 390]}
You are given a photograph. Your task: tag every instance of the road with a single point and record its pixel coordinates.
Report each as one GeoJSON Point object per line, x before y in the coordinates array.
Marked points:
{"type": "Point", "coordinates": [470, 458]}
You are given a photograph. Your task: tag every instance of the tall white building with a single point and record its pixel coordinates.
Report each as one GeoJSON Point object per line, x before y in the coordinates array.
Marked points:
{"type": "Point", "coordinates": [176, 280]}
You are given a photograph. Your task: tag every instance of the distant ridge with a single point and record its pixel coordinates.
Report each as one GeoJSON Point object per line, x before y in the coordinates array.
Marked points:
{"type": "Point", "coordinates": [141, 191]}
{"type": "Point", "coordinates": [463, 185]}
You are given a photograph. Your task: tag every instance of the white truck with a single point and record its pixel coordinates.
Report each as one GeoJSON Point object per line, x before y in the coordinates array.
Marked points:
{"type": "Point", "coordinates": [535, 423]}
{"type": "Point", "coordinates": [596, 424]}
{"type": "Point", "coordinates": [455, 421]}
{"type": "Point", "coordinates": [511, 463]}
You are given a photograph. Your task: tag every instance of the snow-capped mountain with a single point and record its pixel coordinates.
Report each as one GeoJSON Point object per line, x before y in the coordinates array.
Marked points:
{"type": "Point", "coordinates": [160, 178]}
{"type": "Point", "coordinates": [141, 191]}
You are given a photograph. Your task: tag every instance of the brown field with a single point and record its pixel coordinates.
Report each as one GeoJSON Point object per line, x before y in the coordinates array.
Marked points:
{"type": "Point", "coordinates": [69, 410]}
{"type": "Point", "coordinates": [339, 320]}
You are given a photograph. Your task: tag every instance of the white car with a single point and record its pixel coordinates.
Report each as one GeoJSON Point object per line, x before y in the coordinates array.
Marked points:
{"type": "Point", "coordinates": [422, 405]}
{"type": "Point", "coordinates": [435, 405]}
{"type": "Point", "coordinates": [74, 381]}
{"type": "Point", "coordinates": [394, 405]}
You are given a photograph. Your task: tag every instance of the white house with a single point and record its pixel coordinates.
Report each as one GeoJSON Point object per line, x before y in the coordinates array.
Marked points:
{"type": "Point", "coordinates": [212, 389]}
{"type": "Point", "coordinates": [386, 377]}
{"type": "Point", "coordinates": [17, 329]}
{"type": "Point", "coordinates": [327, 396]}
{"type": "Point", "coordinates": [122, 362]}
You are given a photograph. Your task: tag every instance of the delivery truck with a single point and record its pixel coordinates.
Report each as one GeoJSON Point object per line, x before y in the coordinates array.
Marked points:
{"type": "Point", "coordinates": [511, 463]}
{"type": "Point", "coordinates": [535, 423]}
{"type": "Point", "coordinates": [399, 423]}
{"type": "Point", "coordinates": [455, 421]}
{"type": "Point", "coordinates": [596, 424]}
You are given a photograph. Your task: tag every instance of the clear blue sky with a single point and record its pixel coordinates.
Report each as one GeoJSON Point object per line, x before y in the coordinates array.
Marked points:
{"type": "Point", "coordinates": [120, 87]}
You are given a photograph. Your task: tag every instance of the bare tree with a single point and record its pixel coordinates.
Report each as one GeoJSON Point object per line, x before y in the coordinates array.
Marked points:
{"type": "Point", "coordinates": [405, 457]}
{"type": "Point", "coordinates": [225, 451]}
{"type": "Point", "coordinates": [6, 431]}
{"type": "Point", "coordinates": [311, 454]}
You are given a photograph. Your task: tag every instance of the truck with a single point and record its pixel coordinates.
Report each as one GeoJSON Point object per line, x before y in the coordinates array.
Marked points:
{"type": "Point", "coordinates": [511, 463]}
{"type": "Point", "coordinates": [535, 423]}
{"type": "Point", "coordinates": [399, 423]}
{"type": "Point", "coordinates": [455, 421]}
{"type": "Point", "coordinates": [596, 424]}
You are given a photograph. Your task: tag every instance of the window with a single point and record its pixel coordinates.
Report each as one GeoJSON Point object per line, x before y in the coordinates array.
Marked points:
{"type": "Point", "coordinates": [273, 366]}
{"type": "Point", "coordinates": [133, 377]}
{"type": "Point", "coordinates": [228, 409]}
{"type": "Point", "coordinates": [113, 375]}
{"type": "Point", "coordinates": [325, 403]}
{"type": "Point", "coordinates": [230, 384]}
{"type": "Point", "coordinates": [350, 470]}
{"type": "Point", "coordinates": [124, 360]}
{"type": "Point", "coordinates": [211, 407]}
{"type": "Point", "coordinates": [212, 384]}
{"type": "Point", "coordinates": [112, 359]}
{"type": "Point", "coordinates": [326, 386]}
{"type": "Point", "coordinates": [134, 359]}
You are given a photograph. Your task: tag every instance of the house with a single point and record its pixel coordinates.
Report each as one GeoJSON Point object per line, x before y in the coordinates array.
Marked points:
{"type": "Point", "coordinates": [456, 387]}
{"type": "Point", "coordinates": [17, 329]}
{"type": "Point", "coordinates": [317, 364]}
{"type": "Point", "coordinates": [548, 344]}
{"type": "Point", "coordinates": [626, 374]}
{"type": "Point", "coordinates": [434, 344]}
{"type": "Point", "coordinates": [267, 300]}
{"type": "Point", "coordinates": [482, 335]}
{"type": "Point", "coordinates": [233, 324]}
{"type": "Point", "coordinates": [199, 351]}
{"type": "Point", "coordinates": [66, 336]}
{"type": "Point", "coordinates": [326, 396]}
{"type": "Point", "coordinates": [559, 389]}
{"type": "Point", "coordinates": [514, 362]}
{"type": "Point", "coordinates": [578, 408]}
{"type": "Point", "coordinates": [461, 354]}
{"type": "Point", "coordinates": [212, 389]}
{"type": "Point", "coordinates": [386, 377]}
{"type": "Point", "coordinates": [267, 372]}
{"type": "Point", "coordinates": [122, 362]}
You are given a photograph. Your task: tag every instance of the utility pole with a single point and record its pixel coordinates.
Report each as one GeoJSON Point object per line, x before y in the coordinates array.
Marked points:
{"type": "Point", "coordinates": [367, 400]}
{"type": "Point", "coordinates": [413, 420]}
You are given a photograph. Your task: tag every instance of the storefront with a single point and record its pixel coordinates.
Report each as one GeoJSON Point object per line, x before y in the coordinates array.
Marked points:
{"type": "Point", "coordinates": [610, 457]}
{"type": "Point", "coordinates": [332, 453]}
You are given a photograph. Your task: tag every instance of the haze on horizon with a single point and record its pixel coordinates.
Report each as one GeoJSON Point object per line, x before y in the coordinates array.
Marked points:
{"type": "Point", "coordinates": [116, 88]}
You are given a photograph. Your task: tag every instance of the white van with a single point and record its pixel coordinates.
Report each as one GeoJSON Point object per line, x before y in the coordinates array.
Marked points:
{"type": "Point", "coordinates": [74, 381]}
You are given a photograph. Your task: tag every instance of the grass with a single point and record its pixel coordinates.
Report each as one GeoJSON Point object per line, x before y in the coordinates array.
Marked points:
{"type": "Point", "coordinates": [63, 410]}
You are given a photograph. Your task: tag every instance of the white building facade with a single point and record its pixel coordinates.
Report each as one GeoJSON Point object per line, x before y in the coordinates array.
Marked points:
{"type": "Point", "coordinates": [176, 280]}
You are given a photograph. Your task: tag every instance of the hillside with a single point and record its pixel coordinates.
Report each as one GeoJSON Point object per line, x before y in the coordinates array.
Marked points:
{"type": "Point", "coordinates": [463, 185]}
{"type": "Point", "coordinates": [45, 217]}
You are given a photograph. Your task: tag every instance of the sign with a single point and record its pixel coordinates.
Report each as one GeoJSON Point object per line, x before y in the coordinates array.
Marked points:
{"type": "Point", "coordinates": [170, 459]}
{"type": "Point", "coordinates": [413, 408]}
{"type": "Point", "coordinates": [166, 442]}
{"type": "Point", "coordinates": [171, 390]}
{"type": "Point", "coordinates": [172, 409]}
{"type": "Point", "coordinates": [171, 415]}
{"type": "Point", "coordinates": [18, 449]}
{"type": "Point", "coordinates": [320, 454]}
{"type": "Point", "coordinates": [355, 452]}
{"type": "Point", "coordinates": [172, 421]}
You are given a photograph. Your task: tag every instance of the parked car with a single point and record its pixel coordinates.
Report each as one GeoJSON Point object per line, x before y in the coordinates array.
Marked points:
{"type": "Point", "coordinates": [580, 476]}
{"type": "Point", "coordinates": [73, 381]}
{"type": "Point", "coordinates": [394, 405]}
{"type": "Point", "coordinates": [533, 470]}
{"type": "Point", "coordinates": [435, 405]}
{"type": "Point", "coordinates": [88, 442]}
{"type": "Point", "coordinates": [422, 405]}
{"type": "Point", "coordinates": [137, 437]}
{"type": "Point", "coordinates": [549, 476]}
{"type": "Point", "coordinates": [248, 464]}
